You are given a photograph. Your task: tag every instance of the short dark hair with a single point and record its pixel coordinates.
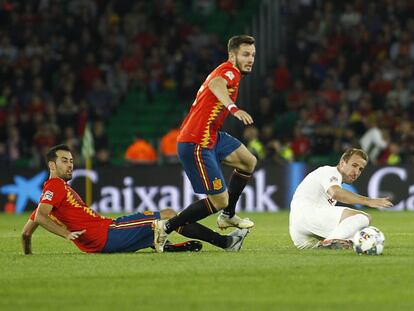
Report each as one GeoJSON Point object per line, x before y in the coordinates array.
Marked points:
{"type": "Point", "coordinates": [51, 154]}
{"type": "Point", "coordinates": [351, 151]}
{"type": "Point", "coordinates": [235, 42]}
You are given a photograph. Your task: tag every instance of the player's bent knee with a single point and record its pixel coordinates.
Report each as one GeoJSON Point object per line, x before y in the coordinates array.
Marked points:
{"type": "Point", "coordinates": [249, 164]}
{"type": "Point", "coordinates": [252, 163]}
{"type": "Point", "coordinates": [366, 215]}
{"type": "Point", "coordinates": [220, 201]}
{"type": "Point", "coordinates": [168, 213]}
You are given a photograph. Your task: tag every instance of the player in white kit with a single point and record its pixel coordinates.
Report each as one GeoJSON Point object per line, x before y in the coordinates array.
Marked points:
{"type": "Point", "coordinates": [314, 219]}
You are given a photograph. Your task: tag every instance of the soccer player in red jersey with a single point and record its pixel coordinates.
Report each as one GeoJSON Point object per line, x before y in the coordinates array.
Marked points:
{"type": "Point", "coordinates": [62, 212]}
{"type": "Point", "coordinates": [202, 147]}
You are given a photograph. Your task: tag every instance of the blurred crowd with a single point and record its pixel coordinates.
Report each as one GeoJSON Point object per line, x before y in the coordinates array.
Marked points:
{"type": "Point", "coordinates": [346, 77]}
{"type": "Point", "coordinates": [66, 63]}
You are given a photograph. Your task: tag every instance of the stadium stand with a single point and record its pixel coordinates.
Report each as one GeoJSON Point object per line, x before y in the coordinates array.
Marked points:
{"type": "Point", "coordinates": [136, 65]}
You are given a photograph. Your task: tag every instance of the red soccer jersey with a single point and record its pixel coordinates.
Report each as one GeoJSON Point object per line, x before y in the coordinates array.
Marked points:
{"type": "Point", "coordinates": [207, 113]}
{"type": "Point", "coordinates": [70, 211]}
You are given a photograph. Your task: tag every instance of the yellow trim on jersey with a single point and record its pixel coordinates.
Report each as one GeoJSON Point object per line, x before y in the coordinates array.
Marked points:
{"type": "Point", "coordinates": [71, 199]}
{"type": "Point", "coordinates": [214, 113]}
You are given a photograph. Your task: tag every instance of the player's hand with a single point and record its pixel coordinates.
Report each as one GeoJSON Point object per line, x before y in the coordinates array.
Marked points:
{"type": "Point", "coordinates": [75, 234]}
{"type": "Point", "coordinates": [244, 117]}
{"type": "Point", "coordinates": [380, 203]}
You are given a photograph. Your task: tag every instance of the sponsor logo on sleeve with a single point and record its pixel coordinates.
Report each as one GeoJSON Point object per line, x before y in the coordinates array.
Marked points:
{"type": "Point", "coordinates": [48, 195]}
{"type": "Point", "coordinates": [230, 75]}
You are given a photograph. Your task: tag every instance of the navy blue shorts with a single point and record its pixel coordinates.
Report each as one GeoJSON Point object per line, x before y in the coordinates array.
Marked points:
{"type": "Point", "coordinates": [202, 165]}
{"type": "Point", "coordinates": [130, 233]}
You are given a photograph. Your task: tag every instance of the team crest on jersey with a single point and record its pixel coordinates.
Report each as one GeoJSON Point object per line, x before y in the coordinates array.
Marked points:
{"type": "Point", "coordinates": [333, 178]}
{"type": "Point", "coordinates": [230, 75]}
{"type": "Point", "coordinates": [48, 195]}
{"type": "Point", "coordinates": [217, 185]}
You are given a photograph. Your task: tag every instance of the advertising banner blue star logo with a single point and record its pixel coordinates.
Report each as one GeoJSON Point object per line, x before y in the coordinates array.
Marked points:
{"type": "Point", "coordinates": [25, 189]}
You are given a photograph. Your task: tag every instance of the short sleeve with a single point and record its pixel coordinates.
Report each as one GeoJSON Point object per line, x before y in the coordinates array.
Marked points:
{"type": "Point", "coordinates": [230, 74]}
{"type": "Point", "coordinates": [33, 215]}
{"type": "Point", "coordinates": [329, 178]}
{"type": "Point", "coordinates": [54, 192]}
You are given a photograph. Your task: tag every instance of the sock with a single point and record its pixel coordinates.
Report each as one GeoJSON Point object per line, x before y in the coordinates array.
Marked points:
{"type": "Point", "coordinates": [199, 232]}
{"type": "Point", "coordinates": [194, 212]}
{"type": "Point", "coordinates": [238, 181]}
{"type": "Point", "coordinates": [349, 226]}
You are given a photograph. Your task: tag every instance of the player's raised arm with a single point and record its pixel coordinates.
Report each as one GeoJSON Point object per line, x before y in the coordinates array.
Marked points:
{"type": "Point", "coordinates": [218, 86]}
{"type": "Point", "coordinates": [345, 196]}
{"type": "Point", "coordinates": [43, 219]}
{"type": "Point", "coordinates": [28, 230]}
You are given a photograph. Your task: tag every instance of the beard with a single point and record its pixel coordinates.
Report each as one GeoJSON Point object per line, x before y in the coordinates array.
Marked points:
{"type": "Point", "coordinates": [65, 176]}
{"type": "Point", "coordinates": [242, 72]}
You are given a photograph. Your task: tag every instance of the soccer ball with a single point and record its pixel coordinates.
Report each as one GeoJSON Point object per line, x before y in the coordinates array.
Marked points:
{"type": "Point", "coordinates": [369, 241]}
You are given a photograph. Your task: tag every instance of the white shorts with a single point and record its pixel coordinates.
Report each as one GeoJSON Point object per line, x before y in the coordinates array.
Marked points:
{"type": "Point", "coordinates": [308, 224]}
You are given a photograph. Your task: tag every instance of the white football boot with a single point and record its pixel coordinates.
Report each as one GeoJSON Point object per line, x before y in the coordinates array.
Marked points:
{"type": "Point", "coordinates": [160, 236]}
{"type": "Point", "coordinates": [224, 221]}
{"type": "Point", "coordinates": [238, 237]}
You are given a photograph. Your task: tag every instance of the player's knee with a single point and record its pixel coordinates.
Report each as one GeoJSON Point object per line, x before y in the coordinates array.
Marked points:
{"type": "Point", "coordinates": [221, 201]}
{"type": "Point", "coordinates": [168, 213]}
{"type": "Point", "coordinates": [252, 163]}
{"type": "Point", "coordinates": [249, 164]}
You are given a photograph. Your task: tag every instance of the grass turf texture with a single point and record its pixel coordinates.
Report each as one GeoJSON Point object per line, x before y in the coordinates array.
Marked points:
{"type": "Point", "coordinates": [268, 274]}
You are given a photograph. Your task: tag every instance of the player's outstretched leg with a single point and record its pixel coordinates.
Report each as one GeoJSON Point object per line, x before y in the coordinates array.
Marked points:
{"type": "Point", "coordinates": [194, 212]}
{"type": "Point", "coordinates": [231, 242]}
{"type": "Point", "coordinates": [340, 237]}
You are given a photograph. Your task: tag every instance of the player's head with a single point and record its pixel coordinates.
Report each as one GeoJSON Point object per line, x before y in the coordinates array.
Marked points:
{"type": "Point", "coordinates": [60, 162]}
{"type": "Point", "coordinates": [242, 52]}
{"type": "Point", "coordinates": [351, 164]}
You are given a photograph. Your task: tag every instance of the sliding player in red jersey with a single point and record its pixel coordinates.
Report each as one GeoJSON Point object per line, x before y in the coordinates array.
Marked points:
{"type": "Point", "coordinates": [202, 147]}
{"type": "Point", "coordinates": [62, 212]}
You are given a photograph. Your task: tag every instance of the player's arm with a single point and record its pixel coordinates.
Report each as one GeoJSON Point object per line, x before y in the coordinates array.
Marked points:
{"type": "Point", "coordinates": [43, 219]}
{"type": "Point", "coordinates": [28, 230]}
{"type": "Point", "coordinates": [218, 86]}
{"type": "Point", "coordinates": [347, 197]}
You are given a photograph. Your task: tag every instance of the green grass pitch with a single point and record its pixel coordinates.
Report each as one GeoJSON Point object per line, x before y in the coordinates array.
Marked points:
{"type": "Point", "coordinates": [268, 274]}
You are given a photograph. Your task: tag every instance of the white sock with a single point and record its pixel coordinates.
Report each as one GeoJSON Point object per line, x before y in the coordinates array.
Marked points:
{"type": "Point", "coordinates": [349, 226]}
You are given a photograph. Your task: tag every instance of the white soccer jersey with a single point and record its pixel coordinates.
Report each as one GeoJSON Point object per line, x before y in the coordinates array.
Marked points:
{"type": "Point", "coordinates": [313, 189]}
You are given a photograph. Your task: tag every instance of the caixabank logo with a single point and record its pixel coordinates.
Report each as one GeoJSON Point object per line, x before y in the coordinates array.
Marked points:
{"type": "Point", "coordinates": [129, 191]}
{"type": "Point", "coordinates": [139, 189]}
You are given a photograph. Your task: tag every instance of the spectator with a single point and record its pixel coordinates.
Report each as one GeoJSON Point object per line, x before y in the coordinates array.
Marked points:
{"type": "Point", "coordinates": [141, 151]}
{"type": "Point", "coordinates": [168, 145]}
{"type": "Point", "coordinates": [300, 145]}
{"type": "Point", "coordinates": [101, 143]}
{"type": "Point", "coordinates": [373, 141]}
{"type": "Point", "coordinates": [252, 142]}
